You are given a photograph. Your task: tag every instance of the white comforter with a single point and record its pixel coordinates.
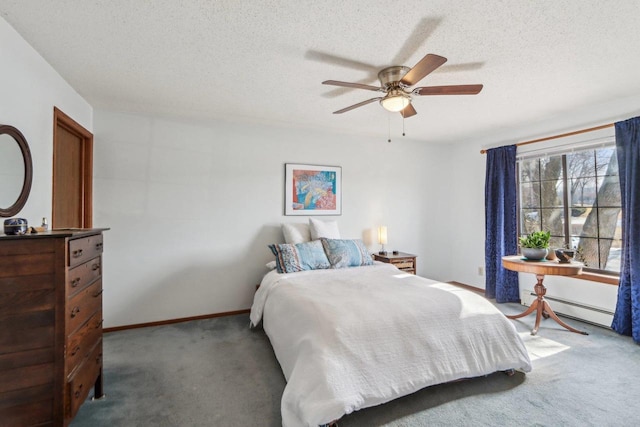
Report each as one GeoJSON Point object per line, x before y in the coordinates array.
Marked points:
{"type": "Point", "coordinates": [352, 338]}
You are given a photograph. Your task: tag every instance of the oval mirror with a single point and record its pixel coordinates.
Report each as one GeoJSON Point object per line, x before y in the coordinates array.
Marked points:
{"type": "Point", "coordinates": [16, 171]}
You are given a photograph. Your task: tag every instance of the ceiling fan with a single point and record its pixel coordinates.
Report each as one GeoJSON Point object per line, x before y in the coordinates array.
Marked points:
{"type": "Point", "coordinates": [395, 82]}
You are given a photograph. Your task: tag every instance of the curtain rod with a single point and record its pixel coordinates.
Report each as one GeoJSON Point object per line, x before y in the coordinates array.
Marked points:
{"type": "Point", "coordinates": [577, 132]}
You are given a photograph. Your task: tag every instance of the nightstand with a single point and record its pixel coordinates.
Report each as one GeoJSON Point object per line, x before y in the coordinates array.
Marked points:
{"type": "Point", "coordinates": [403, 261]}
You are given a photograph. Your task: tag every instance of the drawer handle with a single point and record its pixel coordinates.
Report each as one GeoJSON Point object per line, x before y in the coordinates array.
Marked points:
{"type": "Point", "coordinates": [75, 311]}
{"type": "Point", "coordinates": [77, 393]}
{"type": "Point", "coordinates": [77, 253]}
{"type": "Point", "coordinates": [99, 324]}
{"type": "Point", "coordinates": [75, 351]}
{"type": "Point", "coordinates": [97, 294]}
{"type": "Point", "coordinates": [75, 282]}
{"type": "Point", "coordinates": [95, 266]}
{"type": "Point", "coordinates": [99, 246]}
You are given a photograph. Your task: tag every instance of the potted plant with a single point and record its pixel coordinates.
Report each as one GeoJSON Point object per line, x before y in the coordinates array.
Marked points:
{"type": "Point", "coordinates": [535, 246]}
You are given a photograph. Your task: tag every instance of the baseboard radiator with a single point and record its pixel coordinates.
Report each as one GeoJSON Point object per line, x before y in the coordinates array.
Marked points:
{"type": "Point", "coordinates": [573, 309]}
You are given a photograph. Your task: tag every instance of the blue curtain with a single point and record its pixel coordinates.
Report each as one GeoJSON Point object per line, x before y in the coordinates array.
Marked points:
{"type": "Point", "coordinates": [626, 319]}
{"type": "Point", "coordinates": [501, 229]}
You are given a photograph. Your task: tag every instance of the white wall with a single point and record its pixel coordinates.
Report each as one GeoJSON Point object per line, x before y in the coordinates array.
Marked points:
{"type": "Point", "coordinates": [192, 207]}
{"type": "Point", "coordinates": [466, 200]}
{"type": "Point", "coordinates": [29, 90]}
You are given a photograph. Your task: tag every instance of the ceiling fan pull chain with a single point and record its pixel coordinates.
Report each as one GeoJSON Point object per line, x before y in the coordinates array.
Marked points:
{"type": "Point", "coordinates": [403, 125]}
{"type": "Point", "coordinates": [389, 123]}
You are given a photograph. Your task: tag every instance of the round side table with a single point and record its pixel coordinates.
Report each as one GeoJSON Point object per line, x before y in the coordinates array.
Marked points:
{"type": "Point", "coordinates": [540, 269]}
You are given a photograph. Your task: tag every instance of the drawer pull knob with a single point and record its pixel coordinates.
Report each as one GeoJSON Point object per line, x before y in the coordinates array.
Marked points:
{"type": "Point", "coordinates": [95, 267]}
{"type": "Point", "coordinates": [75, 282]}
{"type": "Point", "coordinates": [77, 253]}
{"type": "Point", "coordinates": [99, 246]}
{"type": "Point", "coordinates": [75, 351]}
{"type": "Point", "coordinates": [77, 393]}
{"type": "Point", "coordinates": [75, 311]}
{"type": "Point", "coordinates": [97, 294]}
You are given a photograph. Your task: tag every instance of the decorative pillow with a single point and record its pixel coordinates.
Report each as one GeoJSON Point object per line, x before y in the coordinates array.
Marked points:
{"type": "Point", "coordinates": [346, 253]}
{"type": "Point", "coordinates": [300, 257]}
{"type": "Point", "coordinates": [296, 233]}
{"type": "Point", "coordinates": [320, 229]}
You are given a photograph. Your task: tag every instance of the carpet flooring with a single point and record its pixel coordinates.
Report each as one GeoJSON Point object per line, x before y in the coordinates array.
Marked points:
{"type": "Point", "coordinates": [218, 372]}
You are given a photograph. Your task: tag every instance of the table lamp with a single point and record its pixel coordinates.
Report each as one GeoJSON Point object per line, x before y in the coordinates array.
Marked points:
{"type": "Point", "coordinates": [382, 239]}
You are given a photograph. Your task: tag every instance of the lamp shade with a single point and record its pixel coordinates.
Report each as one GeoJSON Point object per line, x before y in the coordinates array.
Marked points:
{"type": "Point", "coordinates": [382, 235]}
{"type": "Point", "coordinates": [396, 100]}
{"type": "Point", "coordinates": [394, 103]}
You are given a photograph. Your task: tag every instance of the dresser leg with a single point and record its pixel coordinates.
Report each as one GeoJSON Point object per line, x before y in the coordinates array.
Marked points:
{"type": "Point", "coordinates": [98, 392]}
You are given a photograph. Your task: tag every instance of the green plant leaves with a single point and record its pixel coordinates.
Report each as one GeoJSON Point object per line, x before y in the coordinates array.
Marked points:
{"type": "Point", "coordinates": [537, 240]}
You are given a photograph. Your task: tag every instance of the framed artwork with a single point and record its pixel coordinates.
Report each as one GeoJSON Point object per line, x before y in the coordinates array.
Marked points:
{"type": "Point", "coordinates": [312, 190]}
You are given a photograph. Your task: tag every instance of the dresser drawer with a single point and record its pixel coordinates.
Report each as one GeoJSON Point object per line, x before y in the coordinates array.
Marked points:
{"type": "Point", "coordinates": [82, 250]}
{"type": "Point", "coordinates": [85, 377]}
{"type": "Point", "coordinates": [80, 276]}
{"type": "Point", "coordinates": [80, 343]}
{"type": "Point", "coordinates": [83, 305]}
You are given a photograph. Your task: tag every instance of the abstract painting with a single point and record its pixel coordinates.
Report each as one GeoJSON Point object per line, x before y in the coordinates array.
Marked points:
{"type": "Point", "coordinates": [313, 190]}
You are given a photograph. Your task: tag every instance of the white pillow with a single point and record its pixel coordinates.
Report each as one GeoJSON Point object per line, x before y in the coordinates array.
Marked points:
{"type": "Point", "coordinates": [271, 265]}
{"type": "Point", "coordinates": [296, 233]}
{"type": "Point", "coordinates": [327, 229]}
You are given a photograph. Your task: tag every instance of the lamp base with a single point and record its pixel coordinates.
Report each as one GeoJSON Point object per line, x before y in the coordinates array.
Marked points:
{"type": "Point", "coordinates": [382, 252]}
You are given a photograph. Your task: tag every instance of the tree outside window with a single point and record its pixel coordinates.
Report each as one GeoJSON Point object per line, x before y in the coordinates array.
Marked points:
{"type": "Point", "coordinates": [575, 196]}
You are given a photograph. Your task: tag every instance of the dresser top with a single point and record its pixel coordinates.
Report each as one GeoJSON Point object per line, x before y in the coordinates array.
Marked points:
{"type": "Point", "coordinates": [62, 232]}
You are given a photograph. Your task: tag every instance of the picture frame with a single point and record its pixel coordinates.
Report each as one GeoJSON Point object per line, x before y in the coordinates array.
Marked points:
{"type": "Point", "coordinates": [312, 190]}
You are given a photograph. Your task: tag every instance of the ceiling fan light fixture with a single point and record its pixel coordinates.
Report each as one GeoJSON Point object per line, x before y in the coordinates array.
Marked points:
{"type": "Point", "coordinates": [396, 82]}
{"type": "Point", "coordinates": [395, 101]}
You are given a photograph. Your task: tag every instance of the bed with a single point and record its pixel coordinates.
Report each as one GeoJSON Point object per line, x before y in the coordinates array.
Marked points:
{"type": "Point", "coordinates": [351, 338]}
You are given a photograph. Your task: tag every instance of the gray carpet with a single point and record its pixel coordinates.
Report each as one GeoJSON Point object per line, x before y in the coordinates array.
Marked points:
{"type": "Point", "coordinates": [217, 372]}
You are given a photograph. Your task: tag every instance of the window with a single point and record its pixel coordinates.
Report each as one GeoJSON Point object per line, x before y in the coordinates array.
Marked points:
{"type": "Point", "coordinates": [576, 196]}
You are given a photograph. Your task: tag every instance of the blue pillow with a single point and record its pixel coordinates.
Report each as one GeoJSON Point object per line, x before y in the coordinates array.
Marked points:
{"type": "Point", "coordinates": [300, 256]}
{"type": "Point", "coordinates": [346, 253]}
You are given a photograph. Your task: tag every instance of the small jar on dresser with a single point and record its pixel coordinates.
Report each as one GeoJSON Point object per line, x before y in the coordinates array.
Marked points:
{"type": "Point", "coordinates": [50, 325]}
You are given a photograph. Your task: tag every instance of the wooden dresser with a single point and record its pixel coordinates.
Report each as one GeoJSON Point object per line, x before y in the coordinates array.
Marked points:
{"type": "Point", "coordinates": [50, 325]}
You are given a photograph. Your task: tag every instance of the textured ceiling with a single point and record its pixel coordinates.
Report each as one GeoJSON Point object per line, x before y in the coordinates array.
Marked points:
{"type": "Point", "coordinates": [264, 61]}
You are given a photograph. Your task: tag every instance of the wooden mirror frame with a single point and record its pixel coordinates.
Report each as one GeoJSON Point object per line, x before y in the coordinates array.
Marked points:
{"type": "Point", "coordinates": [28, 171]}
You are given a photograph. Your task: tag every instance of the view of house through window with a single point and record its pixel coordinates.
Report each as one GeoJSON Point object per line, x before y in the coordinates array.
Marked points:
{"type": "Point", "coordinates": [576, 196]}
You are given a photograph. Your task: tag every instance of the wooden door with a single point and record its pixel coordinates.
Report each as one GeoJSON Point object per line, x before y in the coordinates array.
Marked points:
{"type": "Point", "coordinates": [72, 173]}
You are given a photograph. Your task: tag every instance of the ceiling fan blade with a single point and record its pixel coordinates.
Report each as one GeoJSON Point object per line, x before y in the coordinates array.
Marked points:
{"type": "Point", "coordinates": [425, 66]}
{"type": "Point", "coordinates": [359, 104]}
{"type": "Point", "coordinates": [408, 111]}
{"type": "Point", "coordinates": [329, 58]}
{"type": "Point", "coordinates": [354, 85]}
{"type": "Point", "coordinates": [448, 90]}
{"type": "Point", "coordinates": [454, 68]}
{"type": "Point", "coordinates": [421, 32]}
{"type": "Point", "coordinates": [338, 91]}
